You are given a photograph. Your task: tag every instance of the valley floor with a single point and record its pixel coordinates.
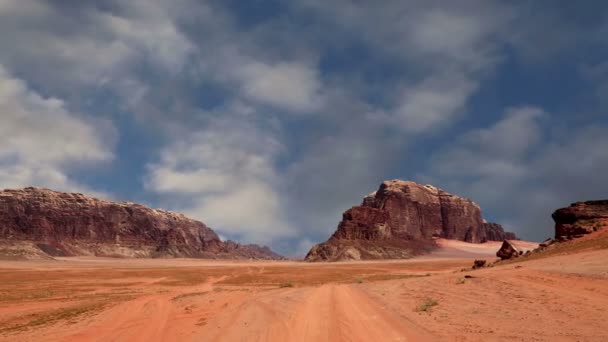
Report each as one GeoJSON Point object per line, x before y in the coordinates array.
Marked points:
{"type": "Point", "coordinates": [561, 298]}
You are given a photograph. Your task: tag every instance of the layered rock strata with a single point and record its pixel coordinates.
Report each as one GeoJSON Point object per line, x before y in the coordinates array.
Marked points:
{"type": "Point", "coordinates": [400, 220]}
{"type": "Point", "coordinates": [580, 218]}
{"type": "Point", "coordinates": [71, 224]}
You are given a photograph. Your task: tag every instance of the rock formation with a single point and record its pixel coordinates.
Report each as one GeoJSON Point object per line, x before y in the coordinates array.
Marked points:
{"type": "Point", "coordinates": [70, 224]}
{"type": "Point", "coordinates": [400, 220]}
{"type": "Point", "coordinates": [495, 232]}
{"type": "Point", "coordinates": [513, 249]}
{"type": "Point", "coordinates": [580, 218]}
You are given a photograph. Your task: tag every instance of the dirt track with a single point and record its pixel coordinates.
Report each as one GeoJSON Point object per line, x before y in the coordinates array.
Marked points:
{"type": "Point", "coordinates": [329, 312]}
{"type": "Point", "coordinates": [563, 298]}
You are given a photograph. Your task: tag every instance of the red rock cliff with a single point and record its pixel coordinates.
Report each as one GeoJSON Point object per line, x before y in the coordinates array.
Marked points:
{"type": "Point", "coordinates": [581, 218]}
{"type": "Point", "coordinates": [400, 220]}
{"type": "Point", "coordinates": [74, 224]}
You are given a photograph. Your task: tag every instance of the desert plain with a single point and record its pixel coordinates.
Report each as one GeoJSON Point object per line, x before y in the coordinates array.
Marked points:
{"type": "Point", "coordinates": [559, 296]}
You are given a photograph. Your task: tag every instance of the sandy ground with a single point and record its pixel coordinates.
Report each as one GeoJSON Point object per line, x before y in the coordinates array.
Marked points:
{"type": "Point", "coordinates": [561, 298]}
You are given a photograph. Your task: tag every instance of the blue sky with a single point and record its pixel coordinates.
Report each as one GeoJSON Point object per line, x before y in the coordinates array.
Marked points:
{"type": "Point", "coordinates": [267, 119]}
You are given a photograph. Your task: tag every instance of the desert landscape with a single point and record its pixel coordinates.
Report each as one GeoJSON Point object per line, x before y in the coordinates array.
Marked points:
{"type": "Point", "coordinates": [303, 171]}
{"type": "Point", "coordinates": [561, 296]}
{"type": "Point", "coordinates": [411, 263]}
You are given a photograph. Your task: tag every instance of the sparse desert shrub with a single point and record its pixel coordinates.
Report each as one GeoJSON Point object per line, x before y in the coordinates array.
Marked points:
{"type": "Point", "coordinates": [50, 317]}
{"type": "Point", "coordinates": [359, 280]}
{"type": "Point", "coordinates": [287, 284]}
{"type": "Point", "coordinates": [461, 281]}
{"type": "Point", "coordinates": [427, 304]}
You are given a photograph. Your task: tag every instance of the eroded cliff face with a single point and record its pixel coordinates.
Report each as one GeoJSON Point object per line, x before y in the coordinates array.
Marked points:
{"type": "Point", "coordinates": [400, 219]}
{"type": "Point", "coordinates": [580, 218]}
{"type": "Point", "coordinates": [495, 232]}
{"type": "Point", "coordinates": [69, 224]}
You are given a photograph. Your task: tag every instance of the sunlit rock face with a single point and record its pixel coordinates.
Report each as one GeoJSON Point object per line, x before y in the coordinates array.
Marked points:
{"type": "Point", "coordinates": [71, 224]}
{"type": "Point", "coordinates": [400, 219]}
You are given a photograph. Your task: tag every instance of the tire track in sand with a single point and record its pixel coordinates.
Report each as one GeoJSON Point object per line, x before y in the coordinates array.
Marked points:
{"type": "Point", "coordinates": [327, 313]}
{"type": "Point", "coordinates": [345, 313]}
{"type": "Point", "coordinates": [143, 319]}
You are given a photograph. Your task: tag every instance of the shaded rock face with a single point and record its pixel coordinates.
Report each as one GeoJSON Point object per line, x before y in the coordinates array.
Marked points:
{"type": "Point", "coordinates": [495, 232]}
{"type": "Point", "coordinates": [405, 216]}
{"type": "Point", "coordinates": [342, 249]}
{"type": "Point", "coordinates": [68, 224]}
{"type": "Point", "coordinates": [580, 218]}
{"type": "Point", "coordinates": [248, 251]}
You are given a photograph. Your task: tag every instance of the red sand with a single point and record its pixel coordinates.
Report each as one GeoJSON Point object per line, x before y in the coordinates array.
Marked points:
{"type": "Point", "coordinates": [561, 298]}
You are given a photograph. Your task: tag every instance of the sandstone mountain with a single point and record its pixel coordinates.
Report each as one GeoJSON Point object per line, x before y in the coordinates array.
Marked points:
{"type": "Point", "coordinates": [580, 218]}
{"type": "Point", "coordinates": [401, 219]}
{"type": "Point", "coordinates": [40, 222]}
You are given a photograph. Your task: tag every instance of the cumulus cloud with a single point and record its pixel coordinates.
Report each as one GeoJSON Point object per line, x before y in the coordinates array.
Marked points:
{"type": "Point", "coordinates": [40, 140]}
{"type": "Point", "coordinates": [520, 173]}
{"type": "Point", "coordinates": [269, 126]}
{"type": "Point", "coordinates": [227, 173]}
{"type": "Point", "coordinates": [62, 47]}
{"type": "Point", "coordinates": [433, 102]}
{"type": "Point", "coordinates": [333, 175]}
{"type": "Point", "coordinates": [448, 50]}
{"type": "Point", "coordinates": [294, 86]}
{"type": "Point", "coordinates": [501, 146]}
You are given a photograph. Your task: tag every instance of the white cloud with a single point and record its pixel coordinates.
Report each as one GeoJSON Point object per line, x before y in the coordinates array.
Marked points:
{"type": "Point", "coordinates": [433, 102]}
{"type": "Point", "coordinates": [334, 172]}
{"type": "Point", "coordinates": [156, 37]}
{"type": "Point", "coordinates": [40, 139]}
{"type": "Point", "coordinates": [415, 64]}
{"type": "Point", "coordinates": [289, 85]}
{"type": "Point", "coordinates": [227, 173]}
{"type": "Point", "coordinates": [494, 155]}
{"type": "Point", "coordinates": [513, 136]}
{"type": "Point", "coordinates": [60, 48]}
{"type": "Point", "coordinates": [447, 50]}
{"type": "Point", "coordinates": [520, 174]}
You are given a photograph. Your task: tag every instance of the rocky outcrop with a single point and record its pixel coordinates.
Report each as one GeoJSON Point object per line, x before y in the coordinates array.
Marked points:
{"type": "Point", "coordinates": [512, 249]}
{"type": "Point", "coordinates": [231, 249]}
{"type": "Point", "coordinates": [343, 249]}
{"type": "Point", "coordinates": [580, 218]}
{"type": "Point", "coordinates": [400, 220]}
{"type": "Point", "coordinates": [69, 224]}
{"type": "Point", "coordinates": [575, 221]}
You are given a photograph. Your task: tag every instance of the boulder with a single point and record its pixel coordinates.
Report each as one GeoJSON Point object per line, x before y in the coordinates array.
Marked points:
{"type": "Point", "coordinates": [512, 249]}
{"type": "Point", "coordinates": [546, 243]}
{"type": "Point", "coordinates": [479, 263]}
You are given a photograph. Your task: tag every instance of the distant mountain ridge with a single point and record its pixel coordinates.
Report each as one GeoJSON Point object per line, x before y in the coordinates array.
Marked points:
{"type": "Point", "coordinates": [400, 220]}
{"type": "Point", "coordinates": [55, 223]}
